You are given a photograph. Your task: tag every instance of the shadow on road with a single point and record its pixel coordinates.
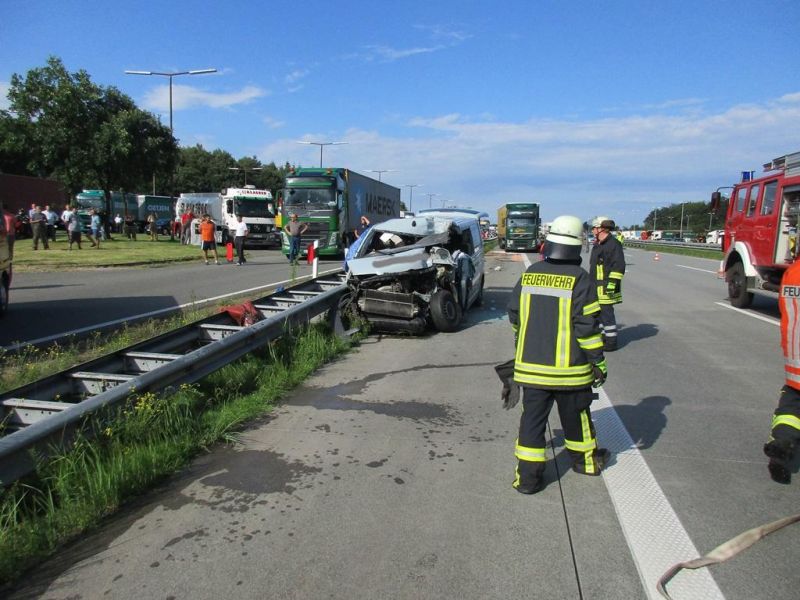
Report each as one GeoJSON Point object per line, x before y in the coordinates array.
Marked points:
{"type": "Point", "coordinates": [635, 333]}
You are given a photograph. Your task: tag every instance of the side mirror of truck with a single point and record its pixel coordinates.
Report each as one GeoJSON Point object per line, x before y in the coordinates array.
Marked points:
{"type": "Point", "coordinates": [229, 206]}
{"type": "Point", "coordinates": [716, 200]}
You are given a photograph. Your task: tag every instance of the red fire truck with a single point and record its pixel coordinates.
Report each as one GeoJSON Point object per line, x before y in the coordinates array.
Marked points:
{"type": "Point", "coordinates": [761, 237]}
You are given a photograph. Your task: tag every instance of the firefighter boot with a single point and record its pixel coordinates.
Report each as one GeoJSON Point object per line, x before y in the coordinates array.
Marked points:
{"type": "Point", "coordinates": [779, 452]}
{"type": "Point", "coordinates": [601, 457]}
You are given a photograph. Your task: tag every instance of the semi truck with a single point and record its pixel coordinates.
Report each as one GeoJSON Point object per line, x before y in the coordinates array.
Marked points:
{"type": "Point", "coordinates": [518, 227]}
{"type": "Point", "coordinates": [89, 200]}
{"type": "Point", "coordinates": [161, 206]}
{"type": "Point", "coordinates": [760, 239]}
{"type": "Point", "coordinates": [256, 207]}
{"type": "Point", "coordinates": [332, 201]}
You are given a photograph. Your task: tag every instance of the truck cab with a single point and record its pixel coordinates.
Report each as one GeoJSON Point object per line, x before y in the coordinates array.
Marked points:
{"type": "Point", "coordinates": [760, 239]}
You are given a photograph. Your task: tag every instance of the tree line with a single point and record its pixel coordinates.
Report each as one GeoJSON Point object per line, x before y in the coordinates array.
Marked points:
{"type": "Point", "coordinates": [63, 126]}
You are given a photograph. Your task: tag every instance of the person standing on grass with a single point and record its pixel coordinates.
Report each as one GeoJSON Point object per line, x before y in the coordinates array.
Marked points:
{"type": "Point", "coordinates": [73, 227]}
{"type": "Point", "coordinates": [207, 235]}
{"type": "Point", "coordinates": [51, 217]}
{"type": "Point", "coordinates": [96, 228]}
{"type": "Point", "coordinates": [39, 228]}
{"type": "Point", "coordinates": [295, 230]}
{"type": "Point", "coordinates": [238, 240]}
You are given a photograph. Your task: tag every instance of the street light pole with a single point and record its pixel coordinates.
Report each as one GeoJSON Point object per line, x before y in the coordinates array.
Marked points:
{"type": "Point", "coordinates": [681, 228]}
{"type": "Point", "coordinates": [171, 75]}
{"type": "Point", "coordinates": [411, 187]}
{"type": "Point", "coordinates": [322, 145]}
{"type": "Point", "coordinates": [379, 171]}
{"type": "Point", "coordinates": [245, 171]}
{"type": "Point", "coordinates": [430, 205]}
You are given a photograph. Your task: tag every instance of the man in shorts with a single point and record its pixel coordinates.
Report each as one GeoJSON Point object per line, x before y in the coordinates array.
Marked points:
{"type": "Point", "coordinates": [207, 231]}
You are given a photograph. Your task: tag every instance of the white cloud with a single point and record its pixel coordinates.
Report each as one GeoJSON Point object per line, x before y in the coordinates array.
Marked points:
{"type": "Point", "coordinates": [621, 166]}
{"type": "Point", "coordinates": [186, 96]}
{"type": "Point", "coordinates": [388, 54]}
{"type": "Point", "coordinates": [273, 123]}
{"type": "Point", "coordinates": [4, 88]}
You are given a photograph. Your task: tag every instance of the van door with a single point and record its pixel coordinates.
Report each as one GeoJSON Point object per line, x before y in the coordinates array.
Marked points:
{"type": "Point", "coordinates": [477, 263]}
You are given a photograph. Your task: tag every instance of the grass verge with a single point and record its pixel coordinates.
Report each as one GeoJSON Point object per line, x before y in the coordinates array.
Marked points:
{"type": "Point", "coordinates": [151, 437]}
{"type": "Point", "coordinates": [672, 249]}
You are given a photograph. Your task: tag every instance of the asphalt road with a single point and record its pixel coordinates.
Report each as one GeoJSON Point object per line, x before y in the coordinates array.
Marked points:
{"type": "Point", "coordinates": [46, 304]}
{"type": "Point", "coordinates": [388, 474]}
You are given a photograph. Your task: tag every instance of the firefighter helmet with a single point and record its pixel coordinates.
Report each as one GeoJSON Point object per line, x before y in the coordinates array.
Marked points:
{"type": "Point", "coordinates": [564, 239]}
{"type": "Point", "coordinates": [604, 223]}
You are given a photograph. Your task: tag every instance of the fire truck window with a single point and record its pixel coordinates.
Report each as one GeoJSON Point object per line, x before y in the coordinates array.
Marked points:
{"type": "Point", "coordinates": [768, 203]}
{"type": "Point", "coordinates": [741, 196]}
{"type": "Point", "coordinates": [751, 206]}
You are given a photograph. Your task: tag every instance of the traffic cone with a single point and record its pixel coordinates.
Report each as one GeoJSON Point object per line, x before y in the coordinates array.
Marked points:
{"type": "Point", "coordinates": [229, 252]}
{"type": "Point", "coordinates": [656, 257]}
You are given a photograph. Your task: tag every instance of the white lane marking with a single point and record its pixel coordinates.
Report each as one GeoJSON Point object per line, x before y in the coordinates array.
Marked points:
{"type": "Point", "coordinates": [770, 320]}
{"type": "Point", "coordinates": [696, 269]}
{"type": "Point", "coordinates": [655, 535]}
{"type": "Point", "coordinates": [154, 313]}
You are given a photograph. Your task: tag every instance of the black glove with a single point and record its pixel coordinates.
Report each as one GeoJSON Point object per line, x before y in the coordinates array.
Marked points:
{"type": "Point", "coordinates": [510, 393]}
{"type": "Point", "coordinates": [600, 374]}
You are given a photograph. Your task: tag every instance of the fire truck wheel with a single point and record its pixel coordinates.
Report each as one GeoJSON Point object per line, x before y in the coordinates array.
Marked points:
{"type": "Point", "coordinates": [737, 286]}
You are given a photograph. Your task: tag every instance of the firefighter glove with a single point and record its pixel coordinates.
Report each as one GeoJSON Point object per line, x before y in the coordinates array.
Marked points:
{"type": "Point", "coordinates": [600, 373]}
{"type": "Point", "coordinates": [611, 287]}
{"type": "Point", "coordinates": [510, 392]}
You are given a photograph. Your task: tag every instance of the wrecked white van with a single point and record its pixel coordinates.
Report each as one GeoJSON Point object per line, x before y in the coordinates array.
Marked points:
{"type": "Point", "coordinates": [411, 273]}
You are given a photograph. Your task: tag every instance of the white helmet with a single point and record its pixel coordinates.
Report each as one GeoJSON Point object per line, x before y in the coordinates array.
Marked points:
{"type": "Point", "coordinates": [565, 238]}
{"type": "Point", "coordinates": [603, 223]}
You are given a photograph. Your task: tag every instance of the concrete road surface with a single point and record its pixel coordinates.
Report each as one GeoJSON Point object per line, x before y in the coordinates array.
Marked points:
{"type": "Point", "coordinates": [388, 474]}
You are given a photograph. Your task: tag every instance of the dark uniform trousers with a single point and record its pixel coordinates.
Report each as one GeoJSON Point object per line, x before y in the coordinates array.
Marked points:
{"type": "Point", "coordinates": [786, 420]}
{"type": "Point", "coordinates": [576, 421]}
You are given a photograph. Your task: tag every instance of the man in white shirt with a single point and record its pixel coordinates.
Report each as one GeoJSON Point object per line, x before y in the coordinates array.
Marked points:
{"type": "Point", "coordinates": [238, 240]}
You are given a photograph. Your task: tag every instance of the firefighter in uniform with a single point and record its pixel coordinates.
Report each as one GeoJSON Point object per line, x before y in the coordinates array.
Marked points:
{"type": "Point", "coordinates": [607, 267]}
{"type": "Point", "coordinates": [785, 432]}
{"type": "Point", "coordinates": [553, 310]}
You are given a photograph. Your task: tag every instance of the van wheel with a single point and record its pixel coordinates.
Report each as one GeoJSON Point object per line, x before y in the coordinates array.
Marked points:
{"type": "Point", "coordinates": [445, 311]}
{"type": "Point", "coordinates": [737, 286]}
{"type": "Point", "coordinates": [3, 297]}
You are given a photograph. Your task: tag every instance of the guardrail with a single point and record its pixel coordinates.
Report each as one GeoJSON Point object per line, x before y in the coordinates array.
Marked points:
{"type": "Point", "coordinates": [668, 244]}
{"type": "Point", "coordinates": [43, 418]}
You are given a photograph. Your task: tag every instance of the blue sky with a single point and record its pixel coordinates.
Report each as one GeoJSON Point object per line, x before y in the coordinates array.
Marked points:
{"type": "Point", "coordinates": [587, 107]}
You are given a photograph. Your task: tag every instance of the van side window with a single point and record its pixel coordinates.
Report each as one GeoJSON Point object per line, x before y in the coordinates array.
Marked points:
{"type": "Point", "coordinates": [467, 244]}
{"type": "Point", "coordinates": [751, 206]}
{"type": "Point", "coordinates": [741, 196]}
{"type": "Point", "coordinates": [768, 203]}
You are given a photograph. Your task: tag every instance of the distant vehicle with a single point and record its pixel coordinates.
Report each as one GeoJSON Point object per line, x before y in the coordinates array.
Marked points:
{"type": "Point", "coordinates": [256, 207]}
{"type": "Point", "coordinates": [761, 238]}
{"type": "Point", "coordinates": [408, 274]}
{"type": "Point", "coordinates": [332, 201]}
{"type": "Point", "coordinates": [518, 227]}
{"type": "Point", "coordinates": [715, 236]}
{"type": "Point", "coordinates": [89, 200]}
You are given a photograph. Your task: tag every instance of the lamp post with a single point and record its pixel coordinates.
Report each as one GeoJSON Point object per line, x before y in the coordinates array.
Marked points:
{"type": "Point", "coordinates": [171, 75]}
{"type": "Point", "coordinates": [322, 145]}
{"type": "Point", "coordinates": [429, 199]}
{"type": "Point", "coordinates": [379, 171]}
{"type": "Point", "coordinates": [681, 228]}
{"type": "Point", "coordinates": [655, 217]}
{"type": "Point", "coordinates": [710, 218]}
{"type": "Point", "coordinates": [245, 171]}
{"type": "Point", "coordinates": [411, 187]}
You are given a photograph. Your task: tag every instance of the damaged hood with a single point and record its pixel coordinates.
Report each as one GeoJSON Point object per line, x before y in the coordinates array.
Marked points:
{"type": "Point", "coordinates": [411, 259]}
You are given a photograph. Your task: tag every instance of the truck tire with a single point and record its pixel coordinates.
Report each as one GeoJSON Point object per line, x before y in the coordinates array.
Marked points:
{"type": "Point", "coordinates": [3, 297]}
{"type": "Point", "coordinates": [445, 311]}
{"type": "Point", "coordinates": [737, 286]}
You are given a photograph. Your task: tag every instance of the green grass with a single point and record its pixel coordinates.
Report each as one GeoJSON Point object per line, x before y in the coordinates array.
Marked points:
{"type": "Point", "coordinates": [673, 249]}
{"type": "Point", "coordinates": [152, 437]}
{"type": "Point", "coordinates": [118, 252]}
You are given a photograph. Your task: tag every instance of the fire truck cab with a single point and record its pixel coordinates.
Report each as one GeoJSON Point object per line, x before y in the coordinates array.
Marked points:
{"type": "Point", "coordinates": [761, 225]}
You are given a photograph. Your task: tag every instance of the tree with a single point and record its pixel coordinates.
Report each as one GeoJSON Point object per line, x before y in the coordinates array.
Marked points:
{"type": "Point", "coordinates": [62, 125]}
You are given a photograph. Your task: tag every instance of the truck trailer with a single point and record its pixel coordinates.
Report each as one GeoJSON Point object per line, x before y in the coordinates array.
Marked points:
{"type": "Point", "coordinates": [332, 201]}
{"type": "Point", "coordinates": [518, 227]}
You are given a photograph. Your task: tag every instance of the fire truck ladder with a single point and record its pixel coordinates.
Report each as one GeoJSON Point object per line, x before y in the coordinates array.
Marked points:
{"type": "Point", "coordinates": [50, 410]}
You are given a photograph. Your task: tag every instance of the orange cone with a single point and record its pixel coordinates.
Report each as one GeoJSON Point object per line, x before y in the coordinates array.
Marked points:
{"type": "Point", "coordinates": [656, 257]}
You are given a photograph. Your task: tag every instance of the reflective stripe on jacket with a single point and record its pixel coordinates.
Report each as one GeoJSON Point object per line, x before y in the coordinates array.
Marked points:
{"type": "Point", "coordinates": [607, 265]}
{"type": "Point", "coordinates": [554, 310]}
{"type": "Point", "coordinates": [789, 303]}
